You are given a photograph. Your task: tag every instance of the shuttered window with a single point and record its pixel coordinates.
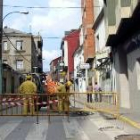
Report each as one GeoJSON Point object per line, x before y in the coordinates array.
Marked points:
{"type": "Point", "coordinates": [111, 4]}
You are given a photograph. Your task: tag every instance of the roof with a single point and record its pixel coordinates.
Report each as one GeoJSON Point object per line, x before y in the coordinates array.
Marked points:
{"type": "Point", "coordinates": [56, 59]}
{"type": "Point", "coordinates": [11, 31]}
{"type": "Point", "coordinates": [68, 34]}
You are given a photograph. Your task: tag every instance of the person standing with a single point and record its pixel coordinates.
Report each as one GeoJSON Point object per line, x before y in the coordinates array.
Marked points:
{"type": "Point", "coordinates": [97, 89]}
{"type": "Point", "coordinates": [62, 105]}
{"type": "Point", "coordinates": [28, 89]}
{"type": "Point", "coordinates": [89, 93]}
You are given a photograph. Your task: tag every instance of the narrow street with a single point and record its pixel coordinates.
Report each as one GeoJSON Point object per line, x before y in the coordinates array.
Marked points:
{"type": "Point", "coordinates": [70, 70]}
{"type": "Point", "coordinates": [88, 127]}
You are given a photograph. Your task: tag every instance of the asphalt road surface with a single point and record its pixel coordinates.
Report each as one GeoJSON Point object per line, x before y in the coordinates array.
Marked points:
{"type": "Point", "coordinates": [79, 127]}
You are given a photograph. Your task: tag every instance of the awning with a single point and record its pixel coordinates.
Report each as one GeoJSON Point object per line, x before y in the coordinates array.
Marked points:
{"type": "Point", "coordinates": [103, 64]}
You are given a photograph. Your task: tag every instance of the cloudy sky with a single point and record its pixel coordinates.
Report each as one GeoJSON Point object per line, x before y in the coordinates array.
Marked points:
{"type": "Point", "coordinates": [49, 22]}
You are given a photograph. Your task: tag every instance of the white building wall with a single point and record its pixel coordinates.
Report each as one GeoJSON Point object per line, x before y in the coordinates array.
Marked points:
{"type": "Point", "coordinates": [65, 53]}
{"type": "Point", "coordinates": [76, 62]}
{"type": "Point", "coordinates": [99, 46]}
{"type": "Point", "coordinates": [134, 78]}
{"type": "Point", "coordinates": [98, 5]}
{"type": "Point", "coordinates": [78, 59]}
{"type": "Point", "coordinates": [122, 84]}
{"type": "Point", "coordinates": [100, 32]}
{"type": "Point", "coordinates": [81, 37]}
{"type": "Point", "coordinates": [82, 80]}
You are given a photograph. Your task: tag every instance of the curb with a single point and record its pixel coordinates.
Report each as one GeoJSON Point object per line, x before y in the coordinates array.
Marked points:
{"type": "Point", "coordinates": [124, 119]}
{"type": "Point", "coordinates": [129, 121]}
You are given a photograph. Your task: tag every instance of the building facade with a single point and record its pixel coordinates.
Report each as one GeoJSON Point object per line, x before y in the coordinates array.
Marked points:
{"type": "Point", "coordinates": [21, 54]}
{"type": "Point", "coordinates": [79, 72]}
{"type": "Point", "coordinates": [123, 37]}
{"type": "Point", "coordinates": [22, 51]}
{"type": "Point", "coordinates": [56, 69]}
{"type": "Point", "coordinates": [11, 79]}
{"type": "Point", "coordinates": [68, 46]}
{"type": "Point", "coordinates": [88, 38]}
{"type": "Point", "coordinates": [102, 67]}
{"type": "Point", "coordinates": [87, 23]}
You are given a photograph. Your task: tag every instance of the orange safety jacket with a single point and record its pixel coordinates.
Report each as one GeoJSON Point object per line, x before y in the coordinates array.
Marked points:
{"type": "Point", "coordinates": [51, 87]}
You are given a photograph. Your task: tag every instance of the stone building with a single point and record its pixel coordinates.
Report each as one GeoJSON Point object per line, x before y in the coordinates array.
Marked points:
{"type": "Point", "coordinates": [22, 51]}
{"type": "Point", "coordinates": [21, 54]}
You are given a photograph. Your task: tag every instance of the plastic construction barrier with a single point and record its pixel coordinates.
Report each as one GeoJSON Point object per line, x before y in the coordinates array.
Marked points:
{"type": "Point", "coordinates": [58, 104]}
{"type": "Point", "coordinates": [34, 105]}
{"type": "Point", "coordinates": [19, 105]}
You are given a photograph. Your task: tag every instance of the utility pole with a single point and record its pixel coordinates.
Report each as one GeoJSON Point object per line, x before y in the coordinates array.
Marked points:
{"type": "Point", "coordinates": [1, 35]}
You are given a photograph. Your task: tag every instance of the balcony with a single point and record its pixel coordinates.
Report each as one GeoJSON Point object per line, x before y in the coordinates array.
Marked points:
{"type": "Point", "coordinates": [6, 51]}
{"type": "Point", "coordinates": [127, 27]}
{"type": "Point", "coordinates": [21, 70]}
{"type": "Point", "coordinates": [20, 51]}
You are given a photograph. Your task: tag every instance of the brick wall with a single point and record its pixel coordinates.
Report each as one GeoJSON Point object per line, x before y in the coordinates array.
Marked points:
{"type": "Point", "coordinates": [87, 22]}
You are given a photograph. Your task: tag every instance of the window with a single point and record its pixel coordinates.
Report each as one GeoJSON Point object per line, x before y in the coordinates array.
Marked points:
{"type": "Point", "coordinates": [19, 45]}
{"type": "Point", "coordinates": [5, 46]}
{"type": "Point", "coordinates": [125, 3]}
{"type": "Point", "coordinates": [19, 64]}
{"type": "Point", "coordinates": [97, 43]}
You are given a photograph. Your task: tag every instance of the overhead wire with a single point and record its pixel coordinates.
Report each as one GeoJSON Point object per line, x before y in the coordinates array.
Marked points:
{"type": "Point", "coordinates": [43, 7]}
{"type": "Point", "coordinates": [59, 37]}
{"type": "Point", "coordinates": [48, 7]}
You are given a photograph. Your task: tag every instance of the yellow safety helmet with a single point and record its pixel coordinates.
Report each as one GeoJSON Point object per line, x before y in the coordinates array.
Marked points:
{"type": "Point", "coordinates": [69, 83]}
{"type": "Point", "coordinates": [28, 77]}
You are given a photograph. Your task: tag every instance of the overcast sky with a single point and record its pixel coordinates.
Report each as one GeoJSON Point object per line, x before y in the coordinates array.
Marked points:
{"type": "Point", "coordinates": [48, 22]}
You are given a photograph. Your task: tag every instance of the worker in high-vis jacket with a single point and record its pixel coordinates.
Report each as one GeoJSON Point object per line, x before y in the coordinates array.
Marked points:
{"type": "Point", "coordinates": [28, 89]}
{"type": "Point", "coordinates": [63, 103]}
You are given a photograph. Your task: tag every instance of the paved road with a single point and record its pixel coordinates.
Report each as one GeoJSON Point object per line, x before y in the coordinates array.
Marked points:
{"type": "Point", "coordinates": [91, 127]}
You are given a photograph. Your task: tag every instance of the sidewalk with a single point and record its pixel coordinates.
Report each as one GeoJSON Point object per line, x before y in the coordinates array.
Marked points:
{"type": "Point", "coordinates": [130, 117]}
{"type": "Point", "coordinates": [125, 115]}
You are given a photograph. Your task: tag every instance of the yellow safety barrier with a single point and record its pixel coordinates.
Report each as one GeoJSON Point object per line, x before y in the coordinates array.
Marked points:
{"type": "Point", "coordinates": [107, 102]}
{"type": "Point", "coordinates": [58, 104]}
{"type": "Point", "coordinates": [33, 105]}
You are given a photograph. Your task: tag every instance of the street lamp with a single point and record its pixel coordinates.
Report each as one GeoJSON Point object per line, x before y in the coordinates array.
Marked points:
{"type": "Point", "coordinates": [1, 35]}
{"type": "Point", "coordinates": [20, 12]}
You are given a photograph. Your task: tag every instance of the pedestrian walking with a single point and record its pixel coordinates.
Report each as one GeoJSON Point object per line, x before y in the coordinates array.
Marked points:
{"type": "Point", "coordinates": [28, 89]}
{"type": "Point", "coordinates": [97, 89]}
{"type": "Point", "coordinates": [89, 92]}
